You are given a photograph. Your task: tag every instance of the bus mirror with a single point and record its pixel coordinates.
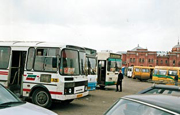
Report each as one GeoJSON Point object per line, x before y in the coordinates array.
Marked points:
{"type": "Point", "coordinates": [54, 62]}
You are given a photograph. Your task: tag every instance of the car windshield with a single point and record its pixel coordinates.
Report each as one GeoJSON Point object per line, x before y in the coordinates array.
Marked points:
{"type": "Point", "coordinates": [126, 107]}
{"type": "Point", "coordinates": [7, 97]}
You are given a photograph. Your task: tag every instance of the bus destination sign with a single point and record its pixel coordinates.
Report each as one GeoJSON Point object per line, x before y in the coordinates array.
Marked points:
{"type": "Point", "coordinates": [115, 56]}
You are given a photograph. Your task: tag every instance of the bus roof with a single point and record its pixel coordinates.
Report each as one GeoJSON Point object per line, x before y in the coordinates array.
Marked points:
{"type": "Point", "coordinates": [37, 44]}
{"type": "Point", "coordinates": [166, 67]}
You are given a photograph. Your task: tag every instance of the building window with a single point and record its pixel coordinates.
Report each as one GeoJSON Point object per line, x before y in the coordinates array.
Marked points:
{"type": "Point", "coordinates": [174, 62]}
{"type": "Point", "coordinates": [152, 61]}
{"type": "Point", "coordinates": [166, 62]}
{"type": "Point", "coordinates": [139, 59]}
{"type": "Point", "coordinates": [149, 60]}
{"type": "Point", "coordinates": [133, 59]}
{"type": "Point", "coordinates": [157, 62]}
{"type": "Point", "coordinates": [130, 59]}
{"type": "Point", "coordinates": [161, 61]}
{"type": "Point", "coordinates": [143, 60]}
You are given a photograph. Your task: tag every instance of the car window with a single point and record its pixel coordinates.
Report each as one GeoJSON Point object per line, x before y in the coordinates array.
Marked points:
{"type": "Point", "coordinates": [126, 107]}
{"type": "Point", "coordinates": [6, 96]}
{"type": "Point", "coordinates": [163, 91]}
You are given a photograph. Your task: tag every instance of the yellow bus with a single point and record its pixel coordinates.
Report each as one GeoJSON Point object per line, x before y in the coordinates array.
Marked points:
{"type": "Point", "coordinates": [142, 72]}
{"type": "Point", "coordinates": [166, 75]}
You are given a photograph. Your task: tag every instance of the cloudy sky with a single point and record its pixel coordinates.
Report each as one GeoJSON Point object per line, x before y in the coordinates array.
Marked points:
{"type": "Point", "coordinates": [117, 25]}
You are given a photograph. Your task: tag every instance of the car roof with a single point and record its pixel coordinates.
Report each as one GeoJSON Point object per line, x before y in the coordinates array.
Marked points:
{"type": "Point", "coordinates": [168, 102]}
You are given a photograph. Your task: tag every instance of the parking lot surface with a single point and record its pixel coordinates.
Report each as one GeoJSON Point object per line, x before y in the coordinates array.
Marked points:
{"type": "Point", "coordinates": [98, 101]}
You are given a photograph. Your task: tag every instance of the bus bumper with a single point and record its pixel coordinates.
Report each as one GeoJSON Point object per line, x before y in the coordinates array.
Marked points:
{"type": "Point", "coordinates": [73, 96]}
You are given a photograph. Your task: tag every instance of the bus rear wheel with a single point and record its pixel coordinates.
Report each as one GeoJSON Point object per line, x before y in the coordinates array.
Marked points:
{"type": "Point", "coordinates": [42, 98]}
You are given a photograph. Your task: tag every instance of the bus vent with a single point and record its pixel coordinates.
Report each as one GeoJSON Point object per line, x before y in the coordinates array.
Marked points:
{"type": "Point", "coordinates": [68, 79]}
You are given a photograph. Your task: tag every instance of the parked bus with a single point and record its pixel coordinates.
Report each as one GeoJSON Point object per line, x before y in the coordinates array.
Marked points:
{"type": "Point", "coordinates": [129, 71]}
{"type": "Point", "coordinates": [42, 71]}
{"type": "Point", "coordinates": [109, 65]}
{"type": "Point", "coordinates": [91, 65]}
{"type": "Point", "coordinates": [142, 72]}
{"type": "Point", "coordinates": [166, 74]}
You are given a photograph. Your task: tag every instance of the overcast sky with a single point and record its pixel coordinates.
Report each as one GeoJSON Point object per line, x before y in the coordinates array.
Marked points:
{"type": "Point", "coordinates": [117, 25]}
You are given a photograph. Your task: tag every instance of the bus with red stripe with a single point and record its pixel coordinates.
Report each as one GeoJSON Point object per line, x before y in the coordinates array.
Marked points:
{"type": "Point", "coordinates": [43, 72]}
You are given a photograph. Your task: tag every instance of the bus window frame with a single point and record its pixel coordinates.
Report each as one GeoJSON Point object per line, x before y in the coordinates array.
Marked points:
{"type": "Point", "coordinates": [172, 70]}
{"type": "Point", "coordinates": [10, 51]}
{"type": "Point", "coordinates": [33, 59]}
{"type": "Point", "coordinates": [46, 56]}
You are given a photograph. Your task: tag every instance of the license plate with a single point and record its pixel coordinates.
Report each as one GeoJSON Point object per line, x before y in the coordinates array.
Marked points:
{"type": "Point", "coordinates": [79, 95]}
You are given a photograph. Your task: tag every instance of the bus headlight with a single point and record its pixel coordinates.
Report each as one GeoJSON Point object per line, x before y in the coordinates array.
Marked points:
{"type": "Point", "coordinates": [70, 91]}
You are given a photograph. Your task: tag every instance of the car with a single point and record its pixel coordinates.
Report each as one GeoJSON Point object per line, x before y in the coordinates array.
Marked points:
{"type": "Point", "coordinates": [10, 104]}
{"type": "Point", "coordinates": [146, 105]}
{"type": "Point", "coordinates": [161, 89]}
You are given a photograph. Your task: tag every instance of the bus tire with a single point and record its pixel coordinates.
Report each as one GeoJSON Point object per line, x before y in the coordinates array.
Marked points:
{"type": "Point", "coordinates": [42, 98]}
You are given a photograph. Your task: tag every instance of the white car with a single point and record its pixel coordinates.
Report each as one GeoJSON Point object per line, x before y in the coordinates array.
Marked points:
{"type": "Point", "coordinates": [10, 104]}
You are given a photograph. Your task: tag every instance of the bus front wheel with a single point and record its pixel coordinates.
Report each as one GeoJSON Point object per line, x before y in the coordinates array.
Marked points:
{"type": "Point", "coordinates": [42, 98]}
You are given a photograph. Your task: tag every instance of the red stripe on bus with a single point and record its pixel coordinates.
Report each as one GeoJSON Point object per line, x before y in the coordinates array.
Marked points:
{"type": "Point", "coordinates": [51, 92]}
{"type": "Point", "coordinates": [28, 90]}
{"type": "Point", "coordinates": [56, 93]}
{"type": "Point", "coordinates": [3, 73]}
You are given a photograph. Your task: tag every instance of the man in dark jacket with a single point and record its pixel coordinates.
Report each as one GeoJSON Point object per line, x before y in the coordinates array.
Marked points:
{"type": "Point", "coordinates": [119, 81]}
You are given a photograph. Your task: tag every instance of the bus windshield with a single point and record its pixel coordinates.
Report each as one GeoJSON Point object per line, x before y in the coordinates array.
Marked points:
{"type": "Point", "coordinates": [114, 64]}
{"type": "Point", "coordinates": [69, 62]}
{"type": "Point", "coordinates": [91, 63]}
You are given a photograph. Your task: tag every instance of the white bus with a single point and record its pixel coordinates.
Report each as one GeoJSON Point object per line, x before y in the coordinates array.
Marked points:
{"type": "Point", "coordinates": [108, 68]}
{"type": "Point", "coordinates": [130, 71]}
{"type": "Point", "coordinates": [91, 64]}
{"type": "Point", "coordinates": [43, 71]}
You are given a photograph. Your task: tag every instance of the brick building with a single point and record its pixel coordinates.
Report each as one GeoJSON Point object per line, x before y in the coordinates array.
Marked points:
{"type": "Point", "coordinates": [142, 57]}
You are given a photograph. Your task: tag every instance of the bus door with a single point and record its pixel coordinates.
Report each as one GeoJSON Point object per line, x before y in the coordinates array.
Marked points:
{"type": "Point", "coordinates": [101, 72]}
{"type": "Point", "coordinates": [17, 71]}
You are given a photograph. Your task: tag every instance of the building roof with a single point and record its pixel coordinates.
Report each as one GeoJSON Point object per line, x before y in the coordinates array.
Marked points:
{"type": "Point", "coordinates": [177, 46]}
{"type": "Point", "coordinates": [136, 48]}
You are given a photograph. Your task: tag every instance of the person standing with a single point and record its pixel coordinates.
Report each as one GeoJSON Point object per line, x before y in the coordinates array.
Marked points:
{"type": "Point", "coordinates": [119, 81]}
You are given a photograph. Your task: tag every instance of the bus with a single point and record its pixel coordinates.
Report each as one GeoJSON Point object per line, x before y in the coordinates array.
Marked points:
{"type": "Point", "coordinates": [43, 71]}
{"type": "Point", "coordinates": [109, 65]}
{"type": "Point", "coordinates": [130, 71]}
{"type": "Point", "coordinates": [91, 66]}
{"type": "Point", "coordinates": [142, 72]}
{"type": "Point", "coordinates": [166, 75]}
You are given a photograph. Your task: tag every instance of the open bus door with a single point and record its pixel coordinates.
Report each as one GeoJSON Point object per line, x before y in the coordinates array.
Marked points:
{"type": "Point", "coordinates": [16, 72]}
{"type": "Point", "coordinates": [101, 73]}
